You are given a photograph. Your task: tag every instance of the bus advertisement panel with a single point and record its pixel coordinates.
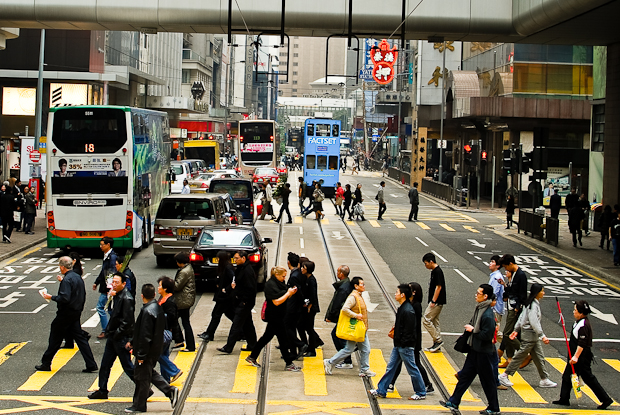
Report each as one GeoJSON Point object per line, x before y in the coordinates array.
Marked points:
{"type": "Point", "coordinates": [322, 153]}
{"type": "Point", "coordinates": [256, 145]}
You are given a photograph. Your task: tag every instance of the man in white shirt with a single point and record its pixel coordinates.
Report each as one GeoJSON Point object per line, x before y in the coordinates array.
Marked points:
{"type": "Point", "coordinates": [185, 190]}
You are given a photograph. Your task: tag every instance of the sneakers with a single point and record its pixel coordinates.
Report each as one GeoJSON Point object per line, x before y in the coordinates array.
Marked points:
{"type": "Point", "coordinates": [133, 410]}
{"type": "Point", "coordinates": [546, 383]}
{"type": "Point", "coordinates": [430, 389]}
{"type": "Point", "coordinates": [175, 377]}
{"type": "Point", "coordinates": [252, 361]}
{"type": "Point", "coordinates": [489, 412]}
{"type": "Point", "coordinates": [292, 368]}
{"type": "Point", "coordinates": [435, 347]}
{"type": "Point", "coordinates": [503, 379]}
{"type": "Point", "coordinates": [375, 393]}
{"type": "Point", "coordinates": [344, 366]}
{"type": "Point", "coordinates": [98, 394]}
{"type": "Point", "coordinates": [174, 397]}
{"type": "Point", "coordinates": [390, 388]}
{"type": "Point", "coordinates": [416, 397]}
{"type": "Point", "coordinates": [449, 405]}
{"type": "Point", "coordinates": [6, 238]}
{"type": "Point", "coordinates": [367, 373]}
{"type": "Point", "coordinates": [327, 366]}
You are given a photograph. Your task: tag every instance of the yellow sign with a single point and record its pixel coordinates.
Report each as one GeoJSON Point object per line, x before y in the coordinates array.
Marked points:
{"type": "Point", "coordinates": [43, 144]}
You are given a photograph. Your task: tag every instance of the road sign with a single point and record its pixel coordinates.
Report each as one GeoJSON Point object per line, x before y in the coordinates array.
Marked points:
{"type": "Point", "coordinates": [35, 156]}
{"type": "Point", "coordinates": [442, 143]}
{"type": "Point", "coordinates": [43, 144]}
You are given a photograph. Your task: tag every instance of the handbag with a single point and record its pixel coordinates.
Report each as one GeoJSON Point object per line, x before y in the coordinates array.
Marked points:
{"type": "Point", "coordinates": [349, 328]}
{"type": "Point", "coordinates": [391, 332]}
{"type": "Point", "coordinates": [338, 201]}
{"type": "Point", "coordinates": [461, 343]}
{"type": "Point", "coordinates": [17, 216]}
{"type": "Point", "coordinates": [263, 311]}
{"type": "Point", "coordinates": [319, 197]}
{"type": "Point", "coordinates": [167, 338]}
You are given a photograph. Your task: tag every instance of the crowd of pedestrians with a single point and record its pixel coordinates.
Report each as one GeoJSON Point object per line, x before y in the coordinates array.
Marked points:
{"type": "Point", "coordinates": [18, 208]}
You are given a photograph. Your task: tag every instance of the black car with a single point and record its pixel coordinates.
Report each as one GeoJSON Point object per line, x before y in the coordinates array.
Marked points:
{"type": "Point", "coordinates": [215, 238]}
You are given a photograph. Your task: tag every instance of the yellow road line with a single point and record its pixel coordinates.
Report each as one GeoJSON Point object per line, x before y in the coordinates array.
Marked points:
{"type": "Point", "coordinates": [614, 363]}
{"type": "Point", "coordinates": [471, 229]}
{"type": "Point", "coordinates": [377, 364]}
{"type": "Point", "coordinates": [423, 225]}
{"type": "Point", "coordinates": [184, 361]}
{"type": "Point", "coordinates": [560, 364]}
{"type": "Point", "coordinates": [351, 223]}
{"type": "Point", "coordinates": [298, 219]}
{"type": "Point", "coordinates": [374, 223]}
{"type": "Point", "coordinates": [399, 225]}
{"type": "Point", "coordinates": [115, 373]}
{"type": "Point", "coordinates": [38, 379]}
{"type": "Point", "coordinates": [446, 373]}
{"type": "Point", "coordinates": [446, 227]}
{"type": "Point", "coordinates": [35, 249]}
{"type": "Point", "coordinates": [314, 375]}
{"type": "Point", "coordinates": [10, 261]}
{"type": "Point", "coordinates": [325, 221]}
{"type": "Point", "coordinates": [467, 217]}
{"type": "Point", "coordinates": [245, 376]}
{"type": "Point", "coordinates": [9, 350]}
{"type": "Point", "coordinates": [525, 390]}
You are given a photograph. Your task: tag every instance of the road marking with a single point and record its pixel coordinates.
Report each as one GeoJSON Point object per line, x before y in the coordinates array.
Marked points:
{"type": "Point", "coordinates": [446, 227]}
{"type": "Point", "coordinates": [374, 223]}
{"type": "Point", "coordinates": [35, 311]}
{"type": "Point", "coordinates": [423, 225]}
{"type": "Point", "coordinates": [299, 219]}
{"type": "Point", "coordinates": [421, 241]}
{"type": "Point", "coordinates": [9, 350]}
{"type": "Point", "coordinates": [245, 376]}
{"type": "Point", "coordinates": [524, 389]}
{"type": "Point", "coordinates": [184, 361]}
{"type": "Point", "coordinates": [115, 374]}
{"type": "Point", "coordinates": [92, 322]}
{"type": "Point", "coordinates": [325, 221]}
{"type": "Point", "coordinates": [560, 364]}
{"type": "Point", "coordinates": [351, 223]}
{"type": "Point", "coordinates": [377, 363]}
{"type": "Point", "coordinates": [446, 372]}
{"type": "Point", "coordinates": [463, 275]}
{"type": "Point", "coordinates": [399, 225]}
{"type": "Point", "coordinates": [301, 230]}
{"type": "Point", "coordinates": [439, 256]}
{"type": "Point", "coordinates": [471, 229]}
{"type": "Point", "coordinates": [314, 375]}
{"type": "Point", "coordinates": [38, 379]}
{"type": "Point", "coordinates": [301, 243]}
{"type": "Point", "coordinates": [615, 363]}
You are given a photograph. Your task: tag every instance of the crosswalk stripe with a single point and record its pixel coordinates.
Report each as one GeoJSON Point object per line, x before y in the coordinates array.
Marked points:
{"type": "Point", "coordinates": [93, 321]}
{"type": "Point", "coordinates": [560, 364]}
{"type": "Point", "coordinates": [325, 221]}
{"type": "Point", "coordinates": [38, 379]}
{"type": "Point", "coordinates": [245, 376]}
{"type": "Point", "coordinates": [9, 350]}
{"type": "Point", "coordinates": [374, 223]}
{"type": "Point", "coordinates": [423, 225]}
{"type": "Point", "coordinates": [446, 227]}
{"type": "Point", "coordinates": [315, 383]}
{"type": "Point", "coordinates": [299, 219]}
{"type": "Point", "coordinates": [184, 361]}
{"type": "Point", "coordinates": [378, 365]}
{"type": "Point", "coordinates": [471, 229]}
{"type": "Point", "coordinates": [351, 223]}
{"type": "Point", "coordinates": [115, 373]}
{"type": "Point", "coordinates": [524, 389]}
{"type": "Point", "coordinates": [399, 225]}
{"type": "Point", "coordinates": [446, 372]}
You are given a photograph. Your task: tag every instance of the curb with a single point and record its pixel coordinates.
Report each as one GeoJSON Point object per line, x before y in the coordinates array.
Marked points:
{"type": "Point", "coordinates": [22, 248]}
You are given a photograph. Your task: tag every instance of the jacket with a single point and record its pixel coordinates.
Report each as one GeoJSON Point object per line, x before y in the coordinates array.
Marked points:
{"type": "Point", "coordinates": [516, 292]}
{"type": "Point", "coordinates": [30, 205]}
{"type": "Point", "coordinates": [148, 334]}
{"type": "Point", "coordinates": [405, 328]}
{"type": "Point", "coordinates": [108, 267]}
{"type": "Point", "coordinates": [358, 197]}
{"type": "Point", "coordinates": [245, 289]}
{"type": "Point", "coordinates": [223, 283]}
{"type": "Point", "coordinates": [342, 290]}
{"type": "Point", "coordinates": [312, 294]}
{"type": "Point", "coordinates": [172, 320]}
{"type": "Point", "coordinates": [483, 340]}
{"type": "Point", "coordinates": [296, 302]}
{"type": "Point", "coordinates": [7, 203]}
{"type": "Point", "coordinates": [185, 287]}
{"type": "Point", "coordinates": [71, 294]}
{"type": "Point", "coordinates": [122, 316]}
{"type": "Point", "coordinates": [380, 197]}
{"type": "Point", "coordinates": [555, 202]}
{"type": "Point", "coordinates": [347, 198]}
{"type": "Point", "coordinates": [529, 322]}
{"type": "Point", "coordinates": [414, 197]}
{"type": "Point", "coordinates": [132, 283]}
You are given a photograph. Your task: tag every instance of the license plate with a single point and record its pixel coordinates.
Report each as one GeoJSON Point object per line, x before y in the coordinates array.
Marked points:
{"type": "Point", "coordinates": [216, 260]}
{"type": "Point", "coordinates": [90, 233]}
{"type": "Point", "coordinates": [185, 233]}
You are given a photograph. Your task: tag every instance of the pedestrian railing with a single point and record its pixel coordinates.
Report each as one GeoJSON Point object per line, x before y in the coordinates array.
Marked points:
{"type": "Point", "coordinates": [399, 175]}
{"type": "Point", "coordinates": [437, 189]}
{"type": "Point", "coordinates": [541, 226]}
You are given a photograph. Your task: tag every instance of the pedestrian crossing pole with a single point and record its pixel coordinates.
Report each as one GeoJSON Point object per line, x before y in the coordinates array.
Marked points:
{"type": "Point", "coordinates": [493, 183]}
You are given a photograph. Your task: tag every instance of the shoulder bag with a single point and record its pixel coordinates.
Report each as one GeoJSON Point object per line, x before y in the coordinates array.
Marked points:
{"type": "Point", "coordinates": [461, 343]}
{"type": "Point", "coordinates": [349, 328]}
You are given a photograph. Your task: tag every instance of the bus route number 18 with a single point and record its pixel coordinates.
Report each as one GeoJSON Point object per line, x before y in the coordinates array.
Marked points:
{"type": "Point", "coordinates": [89, 148]}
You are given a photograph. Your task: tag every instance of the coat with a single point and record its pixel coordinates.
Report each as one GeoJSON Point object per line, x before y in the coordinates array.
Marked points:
{"type": "Point", "coordinates": [342, 290]}
{"type": "Point", "coordinates": [414, 197]}
{"type": "Point", "coordinates": [122, 316]}
{"type": "Point", "coordinates": [30, 205]}
{"type": "Point", "coordinates": [405, 327]}
{"type": "Point", "coordinates": [185, 287]}
{"type": "Point", "coordinates": [148, 334]}
{"type": "Point", "coordinates": [107, 268]}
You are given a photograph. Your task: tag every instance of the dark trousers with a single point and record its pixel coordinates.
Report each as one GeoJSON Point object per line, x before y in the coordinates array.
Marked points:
{"type": "Point", "coordinates": [555, 213]}
{"type": "Point", "coordinates": [190, 342]}
{"type": "Point", "coordinates": [576, 236]}
{"type": "Point", "coordinates": [63, 325]}
{"type": "Point", "coordinates": [7, 226]}
{"type": "Point", "coordinates": [339, 344]}
{"type": "Point", "coordinates": [144, 375]}
{"type": "Point", "coordinates": [221, 308]}
{"type": "Point", "coordinates": [481, 365]}
{"type": "Point", "coordinates": [242, 326]}
{"type": "Point", "coordinates": [314, 340]}
{"type": "Point", "coordinates": [583, 368]}
{"type": "Point", "coordinates": [347, 209]}
{"type": "Point", "coordinates": [509, 221]}
{"type": "Point", "coordinates": [114, 349]}
{"type": "Point", "coordinates": [293, 323]}
{"type": "Point", "coordinates": [413, 213]}
{"type": "Point", "coordinates": [28, 221]}
{"type": "Point", "coordinates": [507, 345]}
{"type": "Point", "coordinates": [275, 328]}
{"type": "Point", "coordinates": [605, 238]}
{"type": "Point", "coordinates": [382, 209]}
{"type": "Point", "coordinates": [418, 363]}
{"type": "Point", "coordinates": [283, 209]}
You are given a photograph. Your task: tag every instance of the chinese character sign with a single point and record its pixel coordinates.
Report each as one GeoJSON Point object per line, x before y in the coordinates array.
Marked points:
{"type": "Point", "coordinates": [383, 57]}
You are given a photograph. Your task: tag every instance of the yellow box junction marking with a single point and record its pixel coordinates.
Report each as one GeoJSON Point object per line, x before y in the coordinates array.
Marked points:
{"type": "Point", "coordinates": [377, 363]}
{"type": "Point", "coordinates": [446, 227]}
{"type": "Point", "coordinates": [446, 373]}
{"type": "Point", "coordinates": [374, 223]}
{"type": "Point", "coordinates": [471, 229]}
{"type": "Point", "coordinates": [9, 350]}
{"type": "Point", "coordinates": [399, 225]}
{"type": "Point", "coordinates": [560, 364]}
{"type": "Point", "coordinates": [423, 225]}
{"type": "Point", "coordinates": [614, 363]}
{"type": "Point", "coordinates": [298, 219]}
{"type": "Point", "coordinates": [38, 379]}
{"type": "Point", "coordinates": [245, 376]}
{"type": "Point", "coordinates": [351, 223]}
{"type": "Point", "coordinates": [115, 373]}
{"type": "Point", "coordinates": [314, 375]}
{"type": "Point", "coordinates": [524, 389]}
{"type": "Point", "coordinates": [325, 221]}
{"type": "Point", "coordinates": [184, 361]}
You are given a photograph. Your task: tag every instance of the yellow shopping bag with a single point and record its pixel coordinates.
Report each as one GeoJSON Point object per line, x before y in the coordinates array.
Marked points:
{"type": "Point", "coordinates": [350, 328]}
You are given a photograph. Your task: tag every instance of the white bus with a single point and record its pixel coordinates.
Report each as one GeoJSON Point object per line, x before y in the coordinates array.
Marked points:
{"type": "Point", "coordinates": [257, 140]}
{"type": "Point", "coordinates": [108, 169]}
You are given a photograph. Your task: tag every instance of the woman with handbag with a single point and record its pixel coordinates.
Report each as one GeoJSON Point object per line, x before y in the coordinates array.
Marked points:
{"type": "Point", "coordinates": [352, 314]}
{"type": "Point", "coordinates": [317, 205]}
{"type": "Point", "coordinates": [169, 371]}
{"type": "Point", "coordinates": [348, 198]}
{"type": "Point", "coordinates": [357, 200]}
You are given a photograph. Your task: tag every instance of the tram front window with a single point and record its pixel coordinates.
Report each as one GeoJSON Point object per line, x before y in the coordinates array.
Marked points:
{"type": "Point", "coordinates": [333, 162]}
{"type": "Point", "coordinates": [310, 162]}
{"type": "Point", "coordinates": [322, 162]}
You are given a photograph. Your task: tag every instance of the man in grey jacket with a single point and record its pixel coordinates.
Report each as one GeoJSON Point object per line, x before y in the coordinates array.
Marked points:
{"type": "Point", "coordinates": [414, 199]}
{"type": "Point", "coordinates": [381, 200]}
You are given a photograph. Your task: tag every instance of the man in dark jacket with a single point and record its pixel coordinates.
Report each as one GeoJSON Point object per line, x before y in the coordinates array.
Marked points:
{"type": "Point", "coordinates": [414, 199]}
{"type": "Point", "coordinates": [104, 280]}
{"type": "Point", "coordinates": [244, 288]}
{"type": "Point", "coordinates": [342, 289]}
{"type": "Point", "coordinates": [312, 308]}
{"type": "Point", "coordinates": [571, 200]}
{"type": "Point", "coordinates": [71, 297]}
{"type": "Point", "coordinates": [119, 331]}
{"type": "Point", "coordinates": [295, 307]}
{"type": "Point", "coordinates": [286, 192]}
{"type": "Point", "coordinates": [481, 355]}
{"type": "Point", "coordinates": [515, 295]}
{"type": "Point", "coordinates": [405, 339]}
{"type": "Point", "coordinates": [147, 344]}
{"type": "Point", "coordinates": [555, 204]}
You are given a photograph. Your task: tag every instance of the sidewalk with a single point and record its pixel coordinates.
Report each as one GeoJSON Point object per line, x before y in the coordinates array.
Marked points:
{"type": "Point", "coordinates": [21, 242]}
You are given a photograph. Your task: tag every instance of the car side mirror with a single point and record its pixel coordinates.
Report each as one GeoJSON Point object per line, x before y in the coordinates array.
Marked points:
{"type": "Point", "coordinates": [267, 240]}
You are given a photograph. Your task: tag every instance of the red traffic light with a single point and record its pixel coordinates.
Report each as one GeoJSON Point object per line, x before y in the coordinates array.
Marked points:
{"type": "Point", "coordinates": [483, 155]}
{"type": "Point", "coordinates": [467, 148]}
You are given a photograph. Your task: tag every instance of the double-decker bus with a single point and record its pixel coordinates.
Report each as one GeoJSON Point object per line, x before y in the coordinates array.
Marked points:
{"type": "Point", "coordinates": [322, 153]}
{"type": "Point", "coordinates": [256, 145]}
{"type": "Point", "coordinates": [108, 169]}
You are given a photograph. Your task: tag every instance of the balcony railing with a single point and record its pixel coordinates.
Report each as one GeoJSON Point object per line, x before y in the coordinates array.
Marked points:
{"type": "Point", "coordinates": [190, 55]}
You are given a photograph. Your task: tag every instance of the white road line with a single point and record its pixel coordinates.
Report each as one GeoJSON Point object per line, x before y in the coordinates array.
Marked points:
{"type": "Point", "coordinates": [439, 256]}
{"type": "Point", "coordinates": [463, 275]}
{"type": "Point", "coordinates": [93, 321]}
{"type": "Point", "coordinates": [478, 258]}
{"type": "Point", "coordinates": [301, 243]}
{"type": "Point", "coordinates": [301, 230]}
{"type": "Point", "coordinates": [421, 241]}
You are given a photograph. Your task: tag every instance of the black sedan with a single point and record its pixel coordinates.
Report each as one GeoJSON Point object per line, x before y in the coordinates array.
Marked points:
{"type": "Point", "coordinates": [215, 238]}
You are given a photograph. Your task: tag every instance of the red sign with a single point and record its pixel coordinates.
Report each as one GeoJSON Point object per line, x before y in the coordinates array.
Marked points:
{"type": "Point", "coordinates": [384, 57]}
{"type": "Point", "coordinates": [35, 156]}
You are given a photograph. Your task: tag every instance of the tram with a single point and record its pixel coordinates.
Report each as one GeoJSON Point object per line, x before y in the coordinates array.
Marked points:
{"type": "Point", "coordinates": [322, 153]}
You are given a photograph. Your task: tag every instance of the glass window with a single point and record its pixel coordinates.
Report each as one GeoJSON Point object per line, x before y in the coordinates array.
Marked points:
{"type": "Point", "coordinates": [90, 130]}
{"type": "Point", "coordinates": [185, 76]}
{"type": "Point", "coordinates": [236, 190]}
{"type": "Point", "coordinates": [323, 130]}
{"type": "Point", "coordinates": [311, 162]}
{"type": "Point", "coordinates": [335, 130]}
{"type": "Point", "coordinates": [333, 162]}
{"type": "Point", "coordinates": [322, 162]}
{"type": "Point", "coordinates": [231, 237]}
{"type": "Point", "coordinates": [310, 130]}
{"type": "Point", "coordinates": [177, 169]}
{"type": "Point", "coordinates": [598, 128]}
{"type": "Point", "coordinates": [193, 209]}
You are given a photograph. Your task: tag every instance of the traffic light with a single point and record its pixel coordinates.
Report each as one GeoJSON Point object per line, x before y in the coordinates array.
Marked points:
{"type": "Point", "coordinates": [467, 154]}
{"type": "Point", "coordinates": [526, 162]}
{"type": "Point", "coordinates": [507, 164]}
{"type": "Point", "coordinates": [483, 158]}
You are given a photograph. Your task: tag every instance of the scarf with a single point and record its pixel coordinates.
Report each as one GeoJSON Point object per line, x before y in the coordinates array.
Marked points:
{"type": "Point", "coordinates": [475, 320]}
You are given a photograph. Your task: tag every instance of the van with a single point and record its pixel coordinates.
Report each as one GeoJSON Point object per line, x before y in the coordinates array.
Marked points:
{"type": "Point", "coordinates": [194, 167]}
{"type": "Point", "coordinates": [182, 172]}
{"type": "Point", "coordinates": [180, 218]}
{"type": "Point", "coordinates": [241, 192]}
{"type": "Point", "coordinates": [201, 166]}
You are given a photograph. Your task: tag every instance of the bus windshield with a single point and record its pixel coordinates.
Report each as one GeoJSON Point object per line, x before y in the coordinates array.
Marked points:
{"type": "Point", "coordinates": [256, 141]}
{"type": "Point", "coordinates": [86, 131]}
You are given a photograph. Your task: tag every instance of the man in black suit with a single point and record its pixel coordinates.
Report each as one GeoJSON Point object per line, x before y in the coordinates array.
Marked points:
{"type": "Point", "coordinates": [555, 204]}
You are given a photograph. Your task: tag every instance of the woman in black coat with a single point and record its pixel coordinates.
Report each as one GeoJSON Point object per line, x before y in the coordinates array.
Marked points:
{"type": "Point", "coordinates": [358, 198]}
{"type": "Point", "coordinates": [7, 206]}
{"type": "Point", "coordinates": [510, 210]}
{"type": "Point", "coordinates": [169, 371]}
{"type": "Point", "coordinates": [223, 295]}
{"type": "Point", "coordinates": [347, 202]}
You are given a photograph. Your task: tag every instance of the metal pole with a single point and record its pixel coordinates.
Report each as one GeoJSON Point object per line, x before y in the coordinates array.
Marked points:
{"type": "Point", "coordinates": [520, 174]}
{"type": "Point", "coordinates": [478, 171]}
{"type": "Point", "coordinates": [443, 104]}
{"type": "Point", "coordinates": [570, 176]}
{"type": "Point", "coordinates": [468, 189]}
{"type": "Point", "coordinates": [39, 110]}
{"type": "Point", "coordinates": [493, 184]}
{"type": "Point", "coordinates": [366, 143]}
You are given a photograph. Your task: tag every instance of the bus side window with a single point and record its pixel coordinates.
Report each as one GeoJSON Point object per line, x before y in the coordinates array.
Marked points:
{"type": "Point", "coordinates": [322, 162]}
{"type": "Point", "coordinates": [333, 162]}
{"type": "Point", "coordinates": [311, 162]}
{"type": "Point", "coordinates": [335, 130]}
{"type": "Point", "coordinates": [310, 130]}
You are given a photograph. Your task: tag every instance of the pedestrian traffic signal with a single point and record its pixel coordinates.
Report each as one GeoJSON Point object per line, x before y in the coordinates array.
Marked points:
{"type": "Point", "coordinates": [526, 163]}
{"type": "Point", "coordinates": [467, 154]}
{"type": "Point", "coordinates": [483, 158]}
{"type": "Point", "coordinates": [507, 163]}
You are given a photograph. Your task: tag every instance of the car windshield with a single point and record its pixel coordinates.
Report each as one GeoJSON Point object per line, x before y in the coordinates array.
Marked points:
{"type": "Point", "coordinates": [205, 176]}
{"type": "Point", "coordinates": [266, 172]}
{"type": "Point", "coordinates": [190, 209]}
{"type": "Point", "coordinates": [177, 169]}
{"type": "Point", "coordinates": [236, 190]}
{"type": "Point", "coordinates": [223, 237]}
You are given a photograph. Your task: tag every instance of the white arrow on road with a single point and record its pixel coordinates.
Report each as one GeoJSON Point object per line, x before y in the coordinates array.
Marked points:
{"type": "Point", "coordinates": [602, 316]}
{"type": "Point", "coordinates": [476, 243]}
{"type": "Point", "coordinates": [336, 234]}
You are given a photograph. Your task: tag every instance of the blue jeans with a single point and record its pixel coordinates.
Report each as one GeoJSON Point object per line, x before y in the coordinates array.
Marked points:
{"type": "Point", "coordinates": [349, 348]}
{"type": "Point", "coordinates": [399, 355]}
{"type": "Point", "coordinates": [103, 316]}
{"type": "Point", "coordinates": [614, 242]}
{"type": "Point", "coordinates": [168, 369]}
